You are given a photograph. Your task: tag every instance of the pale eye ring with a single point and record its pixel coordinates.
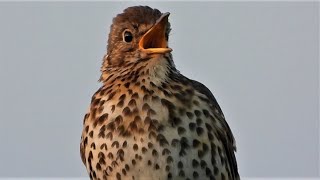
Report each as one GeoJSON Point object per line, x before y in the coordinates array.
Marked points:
{"type": "Point", "coordinates": [127, 36]}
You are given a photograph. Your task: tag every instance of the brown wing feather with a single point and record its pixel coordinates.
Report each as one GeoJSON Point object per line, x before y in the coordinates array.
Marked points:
{"type": "Point", "coordinates": [82, 153]}
{"type": "Point", "coordinates": [226, 135]}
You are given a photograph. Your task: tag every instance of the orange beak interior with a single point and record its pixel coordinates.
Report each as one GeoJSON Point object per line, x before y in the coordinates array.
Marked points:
{"type": "Point", "coordinates": [154, 41]}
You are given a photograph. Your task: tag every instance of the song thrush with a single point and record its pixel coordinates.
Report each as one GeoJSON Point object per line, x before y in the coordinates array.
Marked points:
{"type": "Point", "coordinates": [148, 121]}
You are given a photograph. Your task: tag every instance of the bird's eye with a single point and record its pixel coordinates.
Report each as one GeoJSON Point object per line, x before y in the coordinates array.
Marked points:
{"type": "Point", "coordinates": [127, 36]}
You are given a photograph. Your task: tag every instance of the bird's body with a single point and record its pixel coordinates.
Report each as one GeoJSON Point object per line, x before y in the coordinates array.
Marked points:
{"type": "Point", "coordinates": [148, 121]}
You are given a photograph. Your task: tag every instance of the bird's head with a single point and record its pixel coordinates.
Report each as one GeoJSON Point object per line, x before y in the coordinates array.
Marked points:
{"type": "Point", "coordinates": [137, 35]}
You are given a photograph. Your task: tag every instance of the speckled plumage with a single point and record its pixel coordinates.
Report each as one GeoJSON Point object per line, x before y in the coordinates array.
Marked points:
{"type": "Point", "coordinates": [148, 121]}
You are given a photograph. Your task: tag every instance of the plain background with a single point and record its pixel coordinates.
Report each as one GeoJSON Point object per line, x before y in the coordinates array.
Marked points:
{"type": "Point", "coordinates": [259, 59]}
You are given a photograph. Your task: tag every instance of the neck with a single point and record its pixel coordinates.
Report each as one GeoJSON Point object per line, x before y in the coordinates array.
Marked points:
{"type": "Point", "coordinates": [152, 71]}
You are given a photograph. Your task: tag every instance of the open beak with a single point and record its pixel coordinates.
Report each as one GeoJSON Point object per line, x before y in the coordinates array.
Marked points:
{"type": "Point", "coordinates": [154, 41]}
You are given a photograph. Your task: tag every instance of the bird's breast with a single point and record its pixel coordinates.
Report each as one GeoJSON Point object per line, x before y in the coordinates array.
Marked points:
{"type": "Point", "coordinates": [146, 131]}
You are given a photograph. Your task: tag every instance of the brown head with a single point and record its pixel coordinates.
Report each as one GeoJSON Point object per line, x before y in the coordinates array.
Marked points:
{"type": "Point", "coordinates": [138, 34]}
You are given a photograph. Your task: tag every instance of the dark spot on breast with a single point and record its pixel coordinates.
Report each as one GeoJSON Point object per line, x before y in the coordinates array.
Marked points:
{"type": "Point", "coordinates": [152, 84]}
{"type": "Point", "coordinates": [199, 131]}
{"type": "Point", "coordinates": [176, 121]}
{"type": "Point", "coordinates": [195, 163]}
{"type": "Point", "coordinates": [118, 176]}
{"type": "Point", "coordinates": [93, 145]}
{"type": "Point", "coordinates": [155, 153]}
{"type": "Point", "coordinates": [124, 172]}
{"type": "Point", "coordinates": [118, 120]}
{"type": "Point", "coordinates": [100, 109]}
{"type": "Point", "coordinates": [127, 167]}
{"type": "Point", "coordinates": [126, 111]}
{"type": "Point", "coordinates": [110, 155]}
{"type": "Point", "coordinates": [113, 107]}
{"type": "Point", "coordinates": [203, 164]}
{"type": "Point", "coordinates": [124, 144]}
{"type": "Point", "coordinates": [120, 154]}
{"type": "Point", "coordinates": [181, 173]}
{"type": "Point", "coordinates": [195, 174]}
{"type": "Point", "coordinates": [175, 142]}
{"type": "Point", "coordinates": [195, 143]}
{"type": "Point", "coordinates": [102, 118]}
{"type": "Point", "coordinates": [115, 144]}
{"type": "Point", "coordinates": [167, 168]}
{"type": "Point", "coordinates": [147, 120]}
{"type": "Point", "coordinates": [85, 141]}
{"type": "Point", "coordinates": [199, 121]}
{"type": "Point", "coordinates": [160, 128]}
{"type": "Point", "coordinates": [155, 98]}
{"type": "Point", "coordinates": [197, 113]}
{"type": "Point", "coordinates": [127, 84]}
{"type": "Point", "coordinates": [209, 127]}
{"type": "Point", "coordinates": [111, 96]}
{"type": "Point", "coordinates": [176, 87]}
{"type": "Point", "coordinates": [162, 140]}
{"type": "Point", "coordinates": [102, 161]}
{"type": "Point", "coordinates": [98, 167]}
{"type": "Point", "coordinates": [122, 97]}
{"type": "Point", "coordinates": [120, 104]}
{"type": "Point", "coordinates": [146, 97]}
{"type": "Point", "coordinates": [132, 103]}
{"type": "Point", "coordinates": [208, 172]}
{"type": "Point", "coordinates": [135, 95]}
{"type": "Point", "coordinates": [183, 145]}
{"type": "Point", "coordinates": [135, 147]}
{"type": "Point", "coordinates": [86, 129]}
{"type": "Point", "coordinates": [150, 145]}
{"type": "Point", "coordinates": [152, 135]}
{"type": "Point", "coordinates": [192, 126]}
{"type": "Point", "coordinates": [206, 113]}
{"type": "Point", "coordinates": [169, 159]}
{"type": "Point", "coordinates": [166, 151]}
{"type": "Point", "coordinates": [181, 130]}
{"type": "Point", "coordinates": [152, 127]}
{"type": "Point", "coordinates": [85, 118]}
{"type": "Point", "coordinates": [144, 150]}
{"type": "Point", "coordinates": [91, 134]}
{"type": "Point", "coordinates": [103, 146]}
{"type": "Point", "coordinates": [111, 126]}
{"type": "Point", "coordinates": [109, 136]}
{"type": "Point", "coordinates": [166, 93]}
{"type": "Point", "coordinates": [94, 101]}
{"type": "Point", "coordinates": [133, 126]}
{"type": "Point", "coordinates": [145, 107]}
{"type": "Point", "coordinates": [151, 112]}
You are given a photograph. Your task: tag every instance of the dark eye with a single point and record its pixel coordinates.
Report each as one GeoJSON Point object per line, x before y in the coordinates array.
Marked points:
{"type": "Point", "coordinates": [127, 36]}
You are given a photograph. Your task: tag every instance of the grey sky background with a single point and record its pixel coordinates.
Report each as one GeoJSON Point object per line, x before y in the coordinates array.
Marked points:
{"type": "Point", "coordinates": [261, 61]}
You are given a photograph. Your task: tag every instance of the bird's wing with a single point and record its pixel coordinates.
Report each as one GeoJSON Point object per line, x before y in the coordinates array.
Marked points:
{"type": "Point", "coordinates": [82, 152]}
{"type": "Point", "coordinates": [225, 133]}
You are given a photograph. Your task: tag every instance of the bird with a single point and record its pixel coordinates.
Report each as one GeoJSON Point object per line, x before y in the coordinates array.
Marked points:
{"type": "Point", "coordinates": [148, 121]}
